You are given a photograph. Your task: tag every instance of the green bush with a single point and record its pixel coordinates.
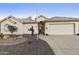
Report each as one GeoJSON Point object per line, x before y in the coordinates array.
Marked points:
{"type": "Point", "coordinates": [12, 28]}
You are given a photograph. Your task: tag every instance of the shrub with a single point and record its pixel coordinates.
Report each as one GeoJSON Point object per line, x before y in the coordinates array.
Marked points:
{"type": "Point", "coordinates": [46, 34]}
{"type": "Point", "coordinates": [1, 35]}
{"type": "Point", "coordinates": [12, 28]}
{"type": "Point", "coordinates": [77, 33]}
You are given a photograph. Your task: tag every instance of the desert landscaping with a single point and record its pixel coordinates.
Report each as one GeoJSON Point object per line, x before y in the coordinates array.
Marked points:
{"type": "Point", "coordinates": [26, 45]}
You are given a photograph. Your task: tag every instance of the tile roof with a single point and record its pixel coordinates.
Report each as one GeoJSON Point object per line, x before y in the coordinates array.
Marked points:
{"type": "Point", "coordinates": [29, 19]}
{"type": "Point", "coordinates": [53, 19]}
{"type": "Point", "coordinates": [23, 20]}
{"type": "Point", "coordinates": [41, 16]}
{"type": "Point", "coordinates": [62, 19]}
{"type": "Point", "coordinates": [9, 18]}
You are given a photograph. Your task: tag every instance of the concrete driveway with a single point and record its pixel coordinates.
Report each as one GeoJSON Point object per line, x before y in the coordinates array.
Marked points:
{"type": "Point", "coordinates": [63, 44]}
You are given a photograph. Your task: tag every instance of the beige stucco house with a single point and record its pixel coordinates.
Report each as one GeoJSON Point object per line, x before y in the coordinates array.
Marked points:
{"type": "Point", "coordinates": [23, 25]}
{"type": "Point", "coordinates": [41, 25]}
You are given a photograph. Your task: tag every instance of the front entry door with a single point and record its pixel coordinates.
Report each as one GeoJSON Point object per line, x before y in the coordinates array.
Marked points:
{"type": "Point", "coordinates": [41, 27]}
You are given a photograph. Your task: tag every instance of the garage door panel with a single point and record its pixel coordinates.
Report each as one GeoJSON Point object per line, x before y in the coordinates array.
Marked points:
{"type": "Point", "coordinates": [63, 29]}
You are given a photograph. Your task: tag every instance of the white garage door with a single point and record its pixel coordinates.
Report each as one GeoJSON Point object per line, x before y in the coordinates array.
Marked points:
{"type": "Point", "coordinates": [61, 29]}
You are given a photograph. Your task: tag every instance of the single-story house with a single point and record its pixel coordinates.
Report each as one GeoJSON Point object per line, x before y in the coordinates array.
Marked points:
{"type": "Point", "coordinates": [23, 25]}
{"type": "Point", "coordinates": [41, 25]}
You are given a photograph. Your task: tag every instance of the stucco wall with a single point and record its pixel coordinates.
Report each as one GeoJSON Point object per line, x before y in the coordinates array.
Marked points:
{"type": "Point", "coordinates": [23, 28]}
{"type": "Point", "coordinates": [26, 28]}
{"type": "Point", "coordinates": [18, 25]}
{"type": "Point", "coordinates": [77, 27]}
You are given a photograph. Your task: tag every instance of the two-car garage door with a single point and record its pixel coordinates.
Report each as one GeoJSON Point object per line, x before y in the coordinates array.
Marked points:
{"type": "Point", "coordinates": [61, 29]}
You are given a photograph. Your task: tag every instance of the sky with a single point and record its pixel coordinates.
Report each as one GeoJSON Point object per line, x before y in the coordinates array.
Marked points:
{"type": "Point", "coordinates": [24, 10]}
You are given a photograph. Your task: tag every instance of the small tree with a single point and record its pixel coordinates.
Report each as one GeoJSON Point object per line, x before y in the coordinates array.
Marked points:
{"type": "Point", "coordinates": [12, 28]}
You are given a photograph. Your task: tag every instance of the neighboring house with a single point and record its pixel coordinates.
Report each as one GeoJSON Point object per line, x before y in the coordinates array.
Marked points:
{"type": "Point", "coordinates": [42, 25]}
